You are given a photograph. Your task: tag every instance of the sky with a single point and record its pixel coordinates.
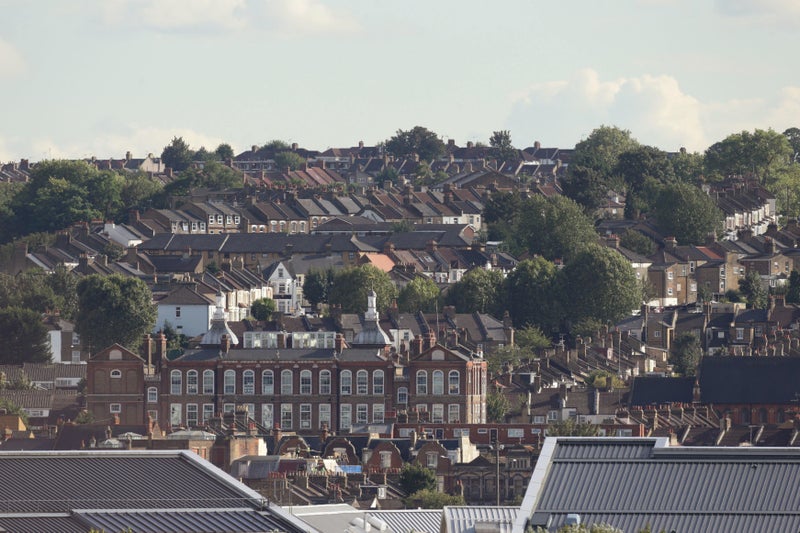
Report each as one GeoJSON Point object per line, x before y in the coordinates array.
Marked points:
{"type": "Point", "coordinates": [102, 77]}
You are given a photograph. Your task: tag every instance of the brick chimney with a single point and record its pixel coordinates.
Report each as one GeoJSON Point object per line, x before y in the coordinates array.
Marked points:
{"type": "Point", "coordinates": [416, 345]}
{"type": "Point", "coordinates": [338, 344]}
{"type": "Point", "coordinates": [225, 343]}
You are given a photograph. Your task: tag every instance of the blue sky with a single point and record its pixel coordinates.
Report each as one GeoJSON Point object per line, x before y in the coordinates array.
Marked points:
{"type": "Point", "coordinates": [100, 77]}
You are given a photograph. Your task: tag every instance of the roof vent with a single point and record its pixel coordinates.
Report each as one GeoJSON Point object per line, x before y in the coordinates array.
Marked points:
{"type": "Point", "coordinates": [573, 519]}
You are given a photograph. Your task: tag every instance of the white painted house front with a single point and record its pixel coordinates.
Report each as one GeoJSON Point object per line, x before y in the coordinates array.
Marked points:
{"type": "Point", "coordinates": [186, 310]}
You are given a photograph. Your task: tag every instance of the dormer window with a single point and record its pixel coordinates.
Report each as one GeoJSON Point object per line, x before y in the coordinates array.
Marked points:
{"type": "Point", "coordinates": [116, 373]}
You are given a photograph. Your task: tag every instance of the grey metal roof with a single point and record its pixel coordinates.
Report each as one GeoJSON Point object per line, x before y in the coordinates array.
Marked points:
{"type": "Point", "coordinates": [181, 520]}
{"type": "Point", "coordinates": [629, 483]}
{"type": "Point", "coordinates": [403, 521]}
{"type": "Point", "coordinates": [61, 522]}
{"type": "Point", "coordinates": [464, 519]}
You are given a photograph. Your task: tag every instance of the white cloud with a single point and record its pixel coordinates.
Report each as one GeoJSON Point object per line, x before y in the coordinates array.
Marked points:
{"type": "Point", "coordinates": [306, 17]}
{"type": "Point", "coordinates": [139, 141]}
{"type": "Point", "coordinates": [12, 63]}
{"type": "Point", "coordinates": [181, 15]}
{"type": "Point", "coordinates": [653, 108]}
{"type": "Point", "coordinates": [783, 14]}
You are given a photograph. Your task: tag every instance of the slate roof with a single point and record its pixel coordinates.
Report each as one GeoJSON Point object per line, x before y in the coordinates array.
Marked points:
{"type": "Point", "coordinates": [749, 380]}
{"type": "Point", "coordinates": [653, 390]}
{"type": "Point", "coordinates": [159, 490]}
{"type": "Point", "coordinates": [282, 354]}
{"type": "Point", "coordinates": [644, 481]}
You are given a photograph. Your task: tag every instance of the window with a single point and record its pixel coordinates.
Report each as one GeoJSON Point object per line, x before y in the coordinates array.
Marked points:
{"type": "Point", "coordinates": [208, 382]}
{"type": "Point", "coordinates": [377, 382]}
{"type": "Point", "coordinates": [177, 312]}
{"type": "Point", "coordinates": [248, 382]}
{"type": "Point", "coordinates": [361, 413]}
{"type": "Point", "coordinates": [286, 416]}
{"type": "Point", "coordinates": [208, 411]}
{"type": "Point", "coordinates": [745, 415]}
{"type": "Point", "coordinates": [362, 382]}
{"type": "Point", "coordinates": [267, 415]}
{"type": "Point", "coordinates": [669, 291]}
{"type": "Point", "coordinates": [345, 416]}
{"type": "Point", "coordinates": [670, 275]}
{"type": "Point", "coordinates": [287, 385]}
{"type": "Point", "coordinates": [305, 383]}
{"type": "Point", "coordinates": [228, 408]}
{"type": "Point", "coordinates": [432, 459]}
{"type": "Point", "coordinates": [152, 395]}
{"type": "Point", "coordinates": [453, 413]}
{"type": "Point", "coordinates": [175, 382]}
{"type": "Point", "coordinates": [346, 383]}
{"type": "Point", "coordinates": [191, 414]}
{"type": "Point", "coordinates": [762, 416]}
{"type": "Point", "coordinates": [115, 408]}
{"type": "Point", "coordinates": [781, 416]}
{"type": "Point", "coordinates": [656, 334]}
{"type": "Point", "coordinates": [378, 411]}
{"type": "Point", "coordinates": [438, 382]}
{"type": "Point", "coordinates": [437, 413]}
{"type": "Point", "coordinates": [739, 334]}
{"type": "Point", "coordinates": [305, 416]}
{"type": "Point", "coordinates": [175, 413]}
{"type": "Point", "coordinates": [325, 382]}
{"type": "Point", "coordinates": [191, 382]}
{"type": "Point", "coordinates": [454, 382]}
{"type": "Point", "coordinates": [402, 396]}
{"type": "Point", "coordinates": [229, 386]}
{"type": "Point", "coordinates": [422, 382]}
{"type": "Point", "coordinates": [325, 415]}
{"type": "Point", "coordinates": [267, 382]}
{"type": "Point", "coordinates": [386, 459]}
{"type": "Point", "coordinates": [116, 374]}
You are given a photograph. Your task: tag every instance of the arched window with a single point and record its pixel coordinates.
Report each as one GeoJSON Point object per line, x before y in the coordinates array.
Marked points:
{"type": "Point", "coordinates": [175, 382]}
{"type": "Point", "coordinates": [745, 415]}
{"type": "Point", "coordinates": [325, 382]}
{"type": "Point", "coordinates": [282, 226]}
{"type": "Point", "coordinates": [422, 382]}
{"type": "Point", "coordinates": [346, 382]}
{"type": "Point", "coordinates": [454, 382]}
{"type": "Point", "coordinates": [152, 395]}
{"type": "Point", "coordinates": [208, 382]}
{"type": "Point", "coordinates": [293, 227]}
{"type": "Point", "coordinates": [248, 382]}
{"type": "Point", "coordinates": [402, 396]}
{"type": "Point", "coordinates": [229, 385]}
{"type": "Point", "coordinates": [267, 382]}
{"type": "Point", "coordinates": [781, 416]}
{"type": "Point", "coordinates": [191, 382]}
{"type": "Point", "coordinates": [305, 382]}
{"type": "Point", "coordinates": [377, 382]}
{"type": "Point", "coordinates": [287, 379]}
{"type": "Point", "coordinates": [438, 382]}
{"type": "Point", "coordinates": [362, 382]}
{"type": "Point", "coordinates": [302, 227]}
{"type": "Point", "coordinates": [762, 416]}
{"type": "Point", "coordinates": [116, 373]}
{"type": "Point", "coordinates": [273, 227]}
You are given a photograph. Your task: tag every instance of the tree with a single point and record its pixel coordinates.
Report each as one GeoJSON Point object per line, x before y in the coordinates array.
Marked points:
{"type": "Point", "coordinates": [753, 290]}
{"type": "Point", "coordinates": [140, 191]}
{"type": "Point", "coordinates": [572, 428]}
{"type": "Point", "coordinates": [532, 338]}
{"type": "Point", "coordinates": [587, 186]}
{"type": "Point", "coordinates": [351, 286]}
{"type": "Point", "coordinates": [601, 150]}
{"type": "Point", "coordinates": [418, 140]}
{"type": "Point", "coordinates": [687, 213]}
{"type": "Point", "coordinates": [599, 284]}
{"type": "Point", "coordinates": [262, 308]}
{"type": "Point", "coordinates": [114, 309]}
{"type": "Point", "coordinates": [317, 286]}
{"type": "Point", "coordinates": [421, 294]}
{"type": "Point", "coordinates": [432, 499]}
{"type": "Point", "coordinates": [644, 171]}
{"type": "Point", "coordinates": [601, 379]}
{"type": "Point", "coordinates": [497, 407]}
{"type": "Point", "coordinates": [414, 477]}
{"type": "Point", "coordinates": [177, 155]}
{"type": "Point", "coordinates": [637, 242]}
{"type": "Point", "coordinates": [765, 154]}
{"type": "Point", "coordinates": [688, 167]}
{"type": "Point", "coordinates": [289, 160]}
{"type": "Point", "coordinates": [25, 337]}
{"type": "Point", "coordinates": [224, 152]}
{"type": "Point", "coordinates": [13, 409]}
{"type": "Point", "coordinates": [686, 354]}
{"type": "Point", "coordinates": [529, 293]}
{"type": "Point", "coordinates": [793, 293]}
{"type": "Point", "coordinates": [502, 149]}
{"type": "Point", "coordinates": [389, 174]}
{"type": "Point", "coordinates": [478, 290]}
{"type": "Point", "coordinates": [500, 213]}
{"type": "Point", "coordinates": [555, 228]}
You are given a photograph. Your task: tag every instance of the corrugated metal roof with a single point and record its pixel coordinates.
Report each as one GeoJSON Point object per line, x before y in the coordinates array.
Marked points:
{"type": "Point", "coordinates": [37, 524]}
{"type": "Point", "coordinates": [463, 519]}
{"type": "Point", "coordinates": [606, 450]}
{"type": "Point", "coordinates": [182, 520]}
{"type": "Point", "coordinates": [687, 523]}
{"type": "Point", "coordinates": [403, 521]}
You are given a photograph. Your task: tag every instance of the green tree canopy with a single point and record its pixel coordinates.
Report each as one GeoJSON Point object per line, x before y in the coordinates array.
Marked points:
{"type": "Point", "coordinates": [555, 228]}
{"type": "Point", "coordinates": [317, 285]}
{"type": "Point", "coordinates": [753, 290]}
{"type": "Point", "coordinates": [529, 294]}
{"type": "Point", "coordinates": [351, 286]}
{"type": "Point", "coordinates": [262, 308]}
{"type": "Point", "coordinates": [114, 309]}
{"type": "Point", "coordinates": [414, 477]}
{"type": "Point", "coordinates": [177, 155]}
{"type": "Point", "coordinates": [572, 428]}
{"type": "Point", "coordinates": [686, 354]}
{"type": "Point", "coordinates": [601, 150]}
{"type": "Point", "coordinates": [224, 152]}
{"type": "Point", "coordinates": [290, 160]}
{"type": "Point", "coordinates": [421, 294]}
{"type": "Point", "coordinates": [687, 213]}
{"type": "Point", "coordinates": [600, 284]}
{"type": "Point", "coordinates": [762, 153]}
{"type": "Point", "coordinates": [793, 292]}
{"type": "Point", "coordinates": [497, 407]}
{"type": "Point", "coordinates": [478, 290]}
{"type": "Point", "coordinates": [532, 338]}
{"type": "Point", "coordinates": [25, 337]}
{"type": "Point", "coordinates": [637, 242]}
{"type": "Point", "coordinates": [432, 499]}
{"type": "Point", "coordinates": [501, 147]}
{"type": "Point", "coordinates": [418, 140]}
